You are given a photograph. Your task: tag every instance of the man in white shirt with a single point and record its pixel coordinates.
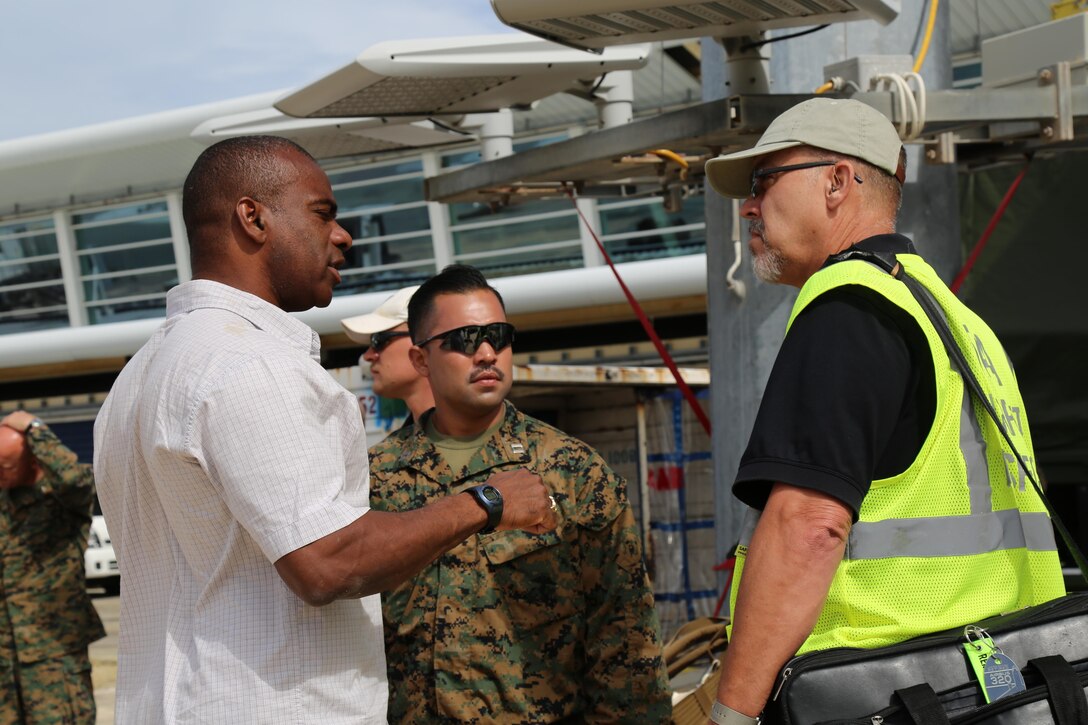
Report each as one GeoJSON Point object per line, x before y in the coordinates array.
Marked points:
{"type": "Point", "coordinates": [233, 474]}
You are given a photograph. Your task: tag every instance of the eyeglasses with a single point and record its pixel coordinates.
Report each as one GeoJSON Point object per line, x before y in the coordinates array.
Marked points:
{"type": "Point", "coordinates": [759, 176]}
{"type": "Point", "coordinates": [379, 340]}
{"type": "Point", "coordinates": [468, 339]}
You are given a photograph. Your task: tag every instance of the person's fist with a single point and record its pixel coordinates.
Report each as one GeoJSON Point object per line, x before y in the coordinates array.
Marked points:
{"type": "Point", "coordinates": [526, 501]}
{"type": "Point", "coordinates": [18, 466]}
{"type": "Point", "coordinates": [20, 420]}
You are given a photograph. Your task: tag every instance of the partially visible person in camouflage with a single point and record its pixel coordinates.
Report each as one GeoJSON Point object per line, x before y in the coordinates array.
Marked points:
{"type": "Point", "coordinates": [47, 621]}
{"type": "Point", "coordinates": [510, 627]}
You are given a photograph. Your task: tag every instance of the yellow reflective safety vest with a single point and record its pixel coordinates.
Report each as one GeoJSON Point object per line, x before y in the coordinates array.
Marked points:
{"type": "Point", "coordinates": [961, 534]}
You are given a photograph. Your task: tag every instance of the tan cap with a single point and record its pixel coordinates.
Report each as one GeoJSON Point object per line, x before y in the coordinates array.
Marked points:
{"type": "Point", "coordinates": [843, 126]}
{"type": "Point", "coordinates": [392, 312]}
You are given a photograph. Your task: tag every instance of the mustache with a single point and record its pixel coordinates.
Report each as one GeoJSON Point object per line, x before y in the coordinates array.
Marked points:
{"type": "Point", "coordinates": [755, 226]}
{"type": "Point", "coordinates": [491, 370]}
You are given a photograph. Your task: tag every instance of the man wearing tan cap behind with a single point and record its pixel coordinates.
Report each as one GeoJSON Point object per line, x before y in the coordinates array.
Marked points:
{"type": "Point", "coordinates": [874, 517]}
{"type": "Point", "coordinates": [385, 332]}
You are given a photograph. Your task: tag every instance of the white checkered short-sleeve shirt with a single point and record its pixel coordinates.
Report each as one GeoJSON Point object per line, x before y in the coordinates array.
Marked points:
{"type": "Point", "coordinates": [223, 446]}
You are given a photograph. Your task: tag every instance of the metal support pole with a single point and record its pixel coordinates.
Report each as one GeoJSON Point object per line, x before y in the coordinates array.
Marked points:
{"type": "Point", "coordinates": [495, 131]}
{"type": "Point", "coordinates": [747, 65]}
{"type": "Point", "coordinates": [615, 99]}
{"type": "Point", "coordinates": [643, 477]}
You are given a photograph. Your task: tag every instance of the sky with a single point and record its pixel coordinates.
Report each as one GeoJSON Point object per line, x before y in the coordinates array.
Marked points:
{"type": "Point", "coordinates": [70, 63]}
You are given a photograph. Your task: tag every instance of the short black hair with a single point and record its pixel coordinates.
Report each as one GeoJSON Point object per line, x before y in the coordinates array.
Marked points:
{"type": "Point", "coordinates": [456, 279]}
{"type": "Point", "coordinates": [224, 173]}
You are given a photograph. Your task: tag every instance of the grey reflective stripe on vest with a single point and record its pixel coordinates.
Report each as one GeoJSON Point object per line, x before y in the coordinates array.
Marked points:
{"type": "Point", "coordinates": [981, 532]}
{"type": "Point", "coordinates": [951, 535]}
{"type": "Point", "coordinates": [973, 447]}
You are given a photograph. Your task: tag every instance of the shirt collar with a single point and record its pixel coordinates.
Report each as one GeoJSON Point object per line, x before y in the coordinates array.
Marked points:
{"type": "Point", "coordinates": [893, 243]}
{"type": "Point", "coordinates": [879, 244]}
{"type": "Point", "coordinates": [204, 293]}
{"type": "Point", "coordinates": [503, 446]}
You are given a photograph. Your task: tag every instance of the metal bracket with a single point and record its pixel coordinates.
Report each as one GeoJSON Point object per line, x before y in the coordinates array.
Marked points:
{"type": "Point", "coordinates": [977, 127]}
{"type": "Point", "coordinates": [1061, 128]}
{"type": "Point", "coordinates": [943, 150]}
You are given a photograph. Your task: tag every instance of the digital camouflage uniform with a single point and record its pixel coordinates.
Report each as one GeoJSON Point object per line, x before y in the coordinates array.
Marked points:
{"type": "Point", "coordinates": [511, 627]}
{"type": "Point", "coordinates": [47, 619]}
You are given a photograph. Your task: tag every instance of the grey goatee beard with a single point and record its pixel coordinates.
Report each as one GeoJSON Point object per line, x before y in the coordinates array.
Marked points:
{"type": "Point", "coordinates": [768, 264]}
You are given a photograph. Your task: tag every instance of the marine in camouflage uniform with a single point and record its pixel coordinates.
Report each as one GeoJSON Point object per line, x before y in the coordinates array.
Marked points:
{"type": "Point", "coordinates": [47, 619]}
{"type": "Point", "coordinates": [511, 627]}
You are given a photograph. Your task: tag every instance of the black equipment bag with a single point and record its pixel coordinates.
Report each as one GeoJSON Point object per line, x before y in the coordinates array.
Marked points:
{"type": "Point", "coordinates": [1061, 698]}
{"type": "Point", "coordinates": [855, 685]}
{"type": "Point", "coordinates": [928, 680]}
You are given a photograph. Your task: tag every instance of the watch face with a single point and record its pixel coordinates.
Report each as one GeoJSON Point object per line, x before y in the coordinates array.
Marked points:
{"type": "Point", "coordinates": [491, 494]}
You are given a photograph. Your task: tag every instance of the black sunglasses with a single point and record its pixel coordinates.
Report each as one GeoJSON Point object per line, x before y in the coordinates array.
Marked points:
{"type": "Point", "coordinates": [758, 176]}
{"type": "Point", "coordinates": [379, 340]}
{"type": "Point", "coordinates": [468, 339]}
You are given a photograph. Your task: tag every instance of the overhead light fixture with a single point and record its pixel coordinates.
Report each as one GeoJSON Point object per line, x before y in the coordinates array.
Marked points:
{"type": "Point", "coordinates": [453, 76]}
{"type": "Point", "coordinates": [596, 24]}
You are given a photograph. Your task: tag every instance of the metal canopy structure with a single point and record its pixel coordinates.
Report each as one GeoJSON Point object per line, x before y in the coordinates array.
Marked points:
{"type": "Point", "coordinates": [614, 162]}
{"type": "Point", "coordinates": [974, 127]}
{"type": "Point", "coordinates": [451, 76]}
{"type": "Point", "coordinates": [596, 24]}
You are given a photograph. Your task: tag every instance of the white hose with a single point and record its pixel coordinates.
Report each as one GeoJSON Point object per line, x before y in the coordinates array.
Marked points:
{"type": "Point", "coordinates": [910, 104]}
{"type": "Point", "coordinates": [736, 286]}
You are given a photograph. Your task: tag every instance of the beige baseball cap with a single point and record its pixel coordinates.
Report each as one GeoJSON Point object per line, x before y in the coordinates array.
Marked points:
{"type": "Point", "coordinates": [389, 314]}
{"type": "Point", "coordinates": [843, 126]}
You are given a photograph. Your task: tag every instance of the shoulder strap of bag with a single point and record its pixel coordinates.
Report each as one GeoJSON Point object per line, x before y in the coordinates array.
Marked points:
{"type": "Point", "coordinates": [935, 313]}
{"type": "Point", "coordinates": [1066, 693]}
{"type": "Point", "coordinates": [922, 705]}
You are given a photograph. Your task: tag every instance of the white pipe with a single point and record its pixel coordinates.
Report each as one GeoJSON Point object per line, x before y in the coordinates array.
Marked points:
{"type": "Point", "coordinates": [542, 292]}
{"type": "Point", "coordinates": [497, 135]}
{"type": "Point", "coordinates": [594, 286]}
{"type": "Point", "coordinates": [615, 99]}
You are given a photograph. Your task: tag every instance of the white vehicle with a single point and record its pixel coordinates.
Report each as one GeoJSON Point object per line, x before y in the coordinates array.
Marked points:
{"type": "Point", "coordinates": [99, 560]}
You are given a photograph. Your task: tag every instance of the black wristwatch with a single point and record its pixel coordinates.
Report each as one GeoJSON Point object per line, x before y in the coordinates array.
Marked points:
{"type": "Point", "coordinates": [490, 500]}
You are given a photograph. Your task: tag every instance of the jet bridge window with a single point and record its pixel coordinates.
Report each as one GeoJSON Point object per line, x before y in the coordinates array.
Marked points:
{"type": "Point", "coordinates": [381, 205]}
{"type": "Point", "coordinates": [636, 229]}
{"type": "Point", "coordinates": [126, 260]}
{"type": "Point", "coordinates": [31, 283]}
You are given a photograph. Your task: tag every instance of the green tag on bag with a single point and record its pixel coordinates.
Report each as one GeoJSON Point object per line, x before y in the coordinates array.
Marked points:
{"type": "Point", "coordinates": [995, 671]}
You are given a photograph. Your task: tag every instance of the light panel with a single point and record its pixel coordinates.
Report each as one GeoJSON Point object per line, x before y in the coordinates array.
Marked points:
{"type": "Point", "coordinates": [407, 94]}
{"type": "Point", "coordinates": [454, 76]}
{"type": "Point", "coordinates": [597, 24]}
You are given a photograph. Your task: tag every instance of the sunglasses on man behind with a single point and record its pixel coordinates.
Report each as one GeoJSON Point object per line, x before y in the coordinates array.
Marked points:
{"type": "Point", "coordinates": [468, 339]}
{"type": "Point", "coordinates": [379, 340]}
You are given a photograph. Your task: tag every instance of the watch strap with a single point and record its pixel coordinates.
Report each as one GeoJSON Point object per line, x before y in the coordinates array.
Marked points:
{"type": "Point", "coordinates": [722, 715]}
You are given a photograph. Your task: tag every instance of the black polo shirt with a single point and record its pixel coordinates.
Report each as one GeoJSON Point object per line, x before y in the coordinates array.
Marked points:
{"type": "Point", "coordinates": [851, 397]}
